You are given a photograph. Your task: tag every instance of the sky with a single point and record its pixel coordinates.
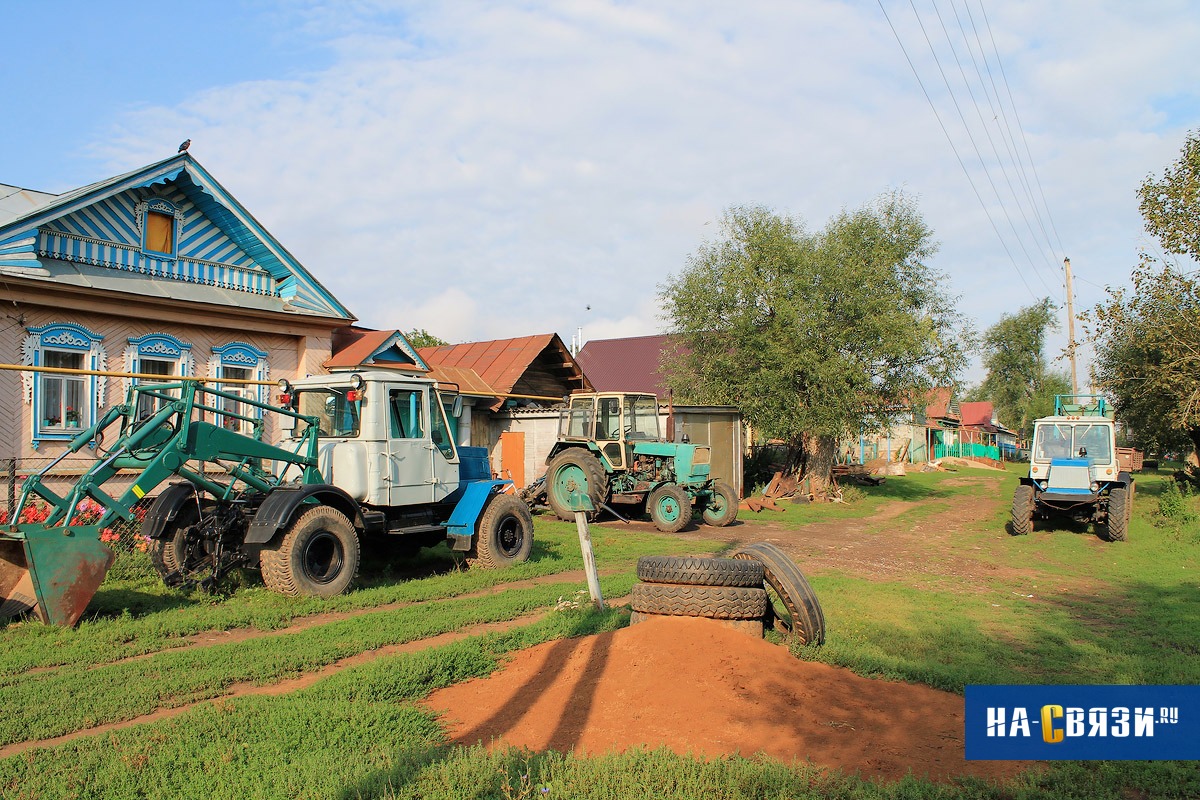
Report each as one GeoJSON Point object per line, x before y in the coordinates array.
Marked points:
{"type": "Point", "coordinates": [497, 169]}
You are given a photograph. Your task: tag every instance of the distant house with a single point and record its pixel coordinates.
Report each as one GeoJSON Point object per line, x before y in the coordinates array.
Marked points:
{"type": "Point", "coordinates": [158, 271]}
{"type": "Point", "coordinates": [980, 427]}
{"type": "Point", "coordinates": [925, 431]}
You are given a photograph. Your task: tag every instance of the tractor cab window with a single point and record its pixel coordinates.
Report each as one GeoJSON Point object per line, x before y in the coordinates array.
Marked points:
{"type": "Point", "coordinates": [641, 417]}
{"type": "Point", "coordinates": [337, 417]}
{"type": "Point", "coordinates": [407, 413]}
{"type": "Point", "coordinates": [576, 421]}
{"type": "Point", "coordinates": [1052, 441]}
{"type": "Point", "coordinates": [1092, 442]}
{"type": "Point", "coordinates": [608, 418]}
{"type": "Point", "coordinates": [439, 431]}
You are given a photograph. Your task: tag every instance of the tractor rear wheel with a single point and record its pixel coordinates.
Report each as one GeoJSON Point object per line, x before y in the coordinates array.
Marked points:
{"type": "Point", "coordinates": [575, 470]}
{"type": "Point", "coordinates": [1117, 524]}
{"type": "Point", "coordinates": [670, 508]}
{"type": "Point", "coordinates": [722, 506]}
{"type": "Point", "coordinates": [505, 534]}
{"type": "Point", "coordinates": [317, 556]}
{"type": "Point", "coordinates": [1022, 510]}
{"type": "Point", "coordinates": [179, 553]}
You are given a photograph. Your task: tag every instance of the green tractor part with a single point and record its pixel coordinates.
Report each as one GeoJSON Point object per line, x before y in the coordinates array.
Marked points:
{"type": "Point", "coordinates": [49, 573]}
{"type": "Point", "coordinates": [609, 447]}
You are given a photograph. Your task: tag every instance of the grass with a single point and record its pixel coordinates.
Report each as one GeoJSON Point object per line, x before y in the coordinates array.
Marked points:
{"type": "Point", "coordinates": [1099, 613]}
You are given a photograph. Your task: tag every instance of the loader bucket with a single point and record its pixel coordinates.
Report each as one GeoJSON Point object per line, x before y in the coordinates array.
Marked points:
{"type": "Point", "coordinates": [51, 572]}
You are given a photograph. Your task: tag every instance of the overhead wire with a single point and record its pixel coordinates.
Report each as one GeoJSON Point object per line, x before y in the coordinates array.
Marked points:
{"type": "Point", "coordinates": [954, 148]}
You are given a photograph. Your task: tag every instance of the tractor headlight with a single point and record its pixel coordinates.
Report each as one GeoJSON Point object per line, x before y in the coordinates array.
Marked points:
{"type": "Point", "coordinates": [1095, 486]}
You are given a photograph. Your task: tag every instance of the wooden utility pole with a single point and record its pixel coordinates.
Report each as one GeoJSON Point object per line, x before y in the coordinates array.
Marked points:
{"type": "Point", "coordinates": [1071, 326]}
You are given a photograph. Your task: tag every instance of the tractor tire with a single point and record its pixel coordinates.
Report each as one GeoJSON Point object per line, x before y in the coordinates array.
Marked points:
{"type": "Point", "coordinates": [714, 602]}
{"type": "Point", "coordinates": [670, 508]}
{"type": "Point", "coordinates": [1117, 523]}
{"type": "Point", "coordinates": [722, 506]}
{"type": "Point", "coordinates": [696, 571]}
{"type": "Point", "coordinates": [174, 554]}
{"type": "Point", "coordinates": [1022, 510]}
{"type": "Point", "coordinates": [795, 606]}
{"type": "Point", "coordinates": [573, 467]}
{"type": "Point", "coordinates": [504, 534]}
{"type": "Point", "coordinates": [318, 555]}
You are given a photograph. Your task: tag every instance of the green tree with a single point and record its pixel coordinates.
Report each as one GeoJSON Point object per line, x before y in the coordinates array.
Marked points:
{"type": "Point", "coordinates": [1171, 204]}
{"type": "Point", "coordinates": [419, 337]}
{"type": "Point", "coordinates": [813, 335]}
{"type": "Point", "coordinates": [1017, 381]}
{"type": "Point", "coordinates": [1148, 355]}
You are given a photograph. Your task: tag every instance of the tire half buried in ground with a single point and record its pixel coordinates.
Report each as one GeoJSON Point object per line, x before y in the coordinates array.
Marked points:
{"type": "Point", "coordinates": [801, 612]}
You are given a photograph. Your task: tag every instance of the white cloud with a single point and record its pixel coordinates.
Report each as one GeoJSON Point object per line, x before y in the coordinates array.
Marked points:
{"type": "Point", "coordinates": [485, 170]}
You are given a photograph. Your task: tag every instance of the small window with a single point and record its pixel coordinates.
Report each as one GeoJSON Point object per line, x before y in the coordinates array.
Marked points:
{"type": "Point", "coordinates": [439, 431]}
{"type": "Point", "coordinates": [337, 416]}
{"type": "Point", "coordinates": [63, 404]}
{"type": "Point", "coordinates": [240, 361]}
{"type": "Point", "coordinates": [160, 233]}
{"type": "Point", "coordinates": [407, 413]}
{"type": "Point", "coordinates": [233, 408]}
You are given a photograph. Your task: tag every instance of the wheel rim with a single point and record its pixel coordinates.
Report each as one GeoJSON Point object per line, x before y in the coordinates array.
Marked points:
{"type": "Point", "coordinates": [571, 478]}
{"type": "Point", "coordinates": [323, 557]}
{"type": "Point", "coordinates": [668, 509]}
{"type": "Point", "coordinates": [509, 536]}
{"type": "Point", "coordinates": [717, 504]}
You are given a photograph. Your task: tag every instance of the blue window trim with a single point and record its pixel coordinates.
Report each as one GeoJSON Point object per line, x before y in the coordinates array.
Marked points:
{"type": "Point", "coordinates": [71, 337]}
{"type": "Point", "coordinates": [158, 205]}
{"type": "Point", "coordinates": [243, 356]}
{"type": "Point", "coordinates": [161, 346]}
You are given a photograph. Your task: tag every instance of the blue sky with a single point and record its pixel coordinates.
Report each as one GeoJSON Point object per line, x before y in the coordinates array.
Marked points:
{"type": "Point", "coordinates": [491, 169]}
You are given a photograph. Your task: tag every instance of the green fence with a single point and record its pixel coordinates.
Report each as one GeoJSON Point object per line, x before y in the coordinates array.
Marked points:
{"type": "Point", "coordinates": [966, 451]}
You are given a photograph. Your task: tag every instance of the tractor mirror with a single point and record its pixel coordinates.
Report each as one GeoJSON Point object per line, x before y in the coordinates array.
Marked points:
{"type": "Point", "coordinates": [456, 406]}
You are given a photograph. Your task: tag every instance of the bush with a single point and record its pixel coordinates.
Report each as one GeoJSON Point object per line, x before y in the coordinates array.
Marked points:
{"type": "Point", "coordinates": [1175, 507]}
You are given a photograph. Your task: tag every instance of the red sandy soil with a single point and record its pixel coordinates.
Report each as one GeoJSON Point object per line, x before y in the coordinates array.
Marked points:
{"type": "Point", "coordinates": [696, 686]}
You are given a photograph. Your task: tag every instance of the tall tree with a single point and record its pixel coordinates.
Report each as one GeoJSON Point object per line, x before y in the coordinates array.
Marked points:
{"type": "Point", "coordinates": [419, 337]}
{"type": "Point", "coordinates": [1015, 360]}
{"type": "Point", "coordinates": [813, 335]}
{"type": "Point", "coordinates": [1148, 339]}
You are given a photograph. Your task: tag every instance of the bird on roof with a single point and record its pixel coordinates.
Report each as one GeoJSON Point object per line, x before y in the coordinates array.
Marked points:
{"type": "Point", "coordinates": [186, 144]}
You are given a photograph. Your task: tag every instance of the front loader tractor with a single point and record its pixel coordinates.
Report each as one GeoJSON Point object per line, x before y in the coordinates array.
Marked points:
{"type": "Point", "coordinates": [609, 448]}
{"type": "Point", "coordinates": [364, 462]}
{"type": "Point", "coordinates": [1074, 472]}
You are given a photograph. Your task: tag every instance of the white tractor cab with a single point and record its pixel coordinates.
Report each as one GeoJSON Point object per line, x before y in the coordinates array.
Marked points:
{"type": "Point", "coordinates": [1073, 470]}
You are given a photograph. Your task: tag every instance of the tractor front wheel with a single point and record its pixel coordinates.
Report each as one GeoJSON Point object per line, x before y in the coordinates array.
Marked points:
{"type": "Point", "coordinates": [1118, 515]}
{"type": "Point", "coordinates": [505, 535]}
{"type": "Point", "coordinates": [722, 506]}
{"type": "Point", "coordinates": [575, 470]}
{"type": "Point", "coordinates": [670, 508]}
{"type": "Point", "coordinates": [1022, 510]}
{"type": "Point", "coordinates": [317, 556]}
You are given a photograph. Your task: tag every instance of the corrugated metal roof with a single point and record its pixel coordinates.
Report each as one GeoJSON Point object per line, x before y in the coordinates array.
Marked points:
{"type": "Point", "coordinates": [500, 363]}
{"type": "Point", "coordinates": [387, 349]}
{"type": "Point", "coordinates": [940, 403]}
{"type": "Point", "coordinates": [467, 380]}
{"type": "Point", "coordinates": [625, 365]}
{"type": "Point", "coordinates": [976, 413]}
{"type": "Point", "coordinates": [16, 202]}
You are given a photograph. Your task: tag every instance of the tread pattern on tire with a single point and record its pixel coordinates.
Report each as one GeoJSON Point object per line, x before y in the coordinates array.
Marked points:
{"type": "Point", "coordinates": [713, 602]}
{"type": "Point", "coordinates": [279, 571]}
{"type": "Point", "coordinates": [1022, 510]}
{"type": "Point", "coordinates": [1118, 512]}
{"type": "Point", "coordinates": [593, 472]}
{"type": "Point", "coordinates": [697, 571]}
{"type": "Point", "coordinates": [797, 596]}
{"type": "Point", "coordinates": [486, 554]}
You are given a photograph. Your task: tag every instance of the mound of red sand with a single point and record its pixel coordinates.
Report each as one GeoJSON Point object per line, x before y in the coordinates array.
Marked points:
{"type": "Point", "coordinates": [698, 687]}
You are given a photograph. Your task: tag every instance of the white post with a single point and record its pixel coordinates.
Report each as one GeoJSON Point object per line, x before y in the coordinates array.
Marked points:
{"type": "Point", "coordinates": [589, 559]}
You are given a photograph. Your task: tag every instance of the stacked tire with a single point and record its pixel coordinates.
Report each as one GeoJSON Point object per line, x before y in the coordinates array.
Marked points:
{"type": "Point", "coordinates": [724, 589]}
{"type": "Point", "coordinates": [792, 604]}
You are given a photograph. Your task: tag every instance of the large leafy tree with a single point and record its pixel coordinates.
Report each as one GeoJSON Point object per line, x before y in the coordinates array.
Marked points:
{"type": "Point", "coordinates": [1148, 338]}
{"type": "Point", "coordinates": [814, 335]}
{"type": "Point", "coordinates": [1018, 380]}
{"type": "Point", "coordinates": [419, 337]}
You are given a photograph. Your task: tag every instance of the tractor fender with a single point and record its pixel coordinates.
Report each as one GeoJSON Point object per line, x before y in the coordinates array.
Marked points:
{"type": "Point", "coordinates": [460, 528]}
{"type": "Point", "coordinates": [1125, 479]}
{"type": "Point", "coordinates": [166, 507]}
{"type": "Point", "coordinates": [283, 503]}
{"type": "Point", "coordinates": [591, 447]}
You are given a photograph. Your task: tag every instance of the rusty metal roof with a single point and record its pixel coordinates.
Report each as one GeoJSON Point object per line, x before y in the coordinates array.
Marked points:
{"type": "Point", "coordinates": [976, 413]}
{"type": "Point", "coordinates": [360, 347]}
{"type": "Point", "coordinates": [625, 365]}
{"type": "Point", "coordinates": [466, 379]}
{"type": "Point", "coordinates": [501, 363]}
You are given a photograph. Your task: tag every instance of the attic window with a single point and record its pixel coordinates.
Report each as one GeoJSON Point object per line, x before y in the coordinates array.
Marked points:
{"type": "Point", "coordinates": [158, 219]}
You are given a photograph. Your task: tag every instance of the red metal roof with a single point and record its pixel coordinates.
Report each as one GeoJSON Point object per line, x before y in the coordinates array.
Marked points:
{"type": "Point", "coordinates": [976, 414]}
{"type": "Point", "coordinates": [500, 363]}
{"type": "Point", "coordinates": [625, 365]}
{"type": "Point", "coordinates": [355, 346]}
{"type": "Point", "coordinates": [940, 403]}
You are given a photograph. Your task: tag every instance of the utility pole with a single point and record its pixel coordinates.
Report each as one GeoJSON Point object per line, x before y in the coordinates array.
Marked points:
{"type": "Point", "coordinates": [1071, 326]}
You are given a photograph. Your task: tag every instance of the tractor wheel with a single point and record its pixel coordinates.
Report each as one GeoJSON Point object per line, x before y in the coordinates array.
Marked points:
{"type": "Point", "coordinates": [317, 556]}
{"type": "Point", "coordinates": [670, 508]}
{"type": "Point", "coordinates": [505, 534]}
{"type": "Point", "coordinates": [792, 600]}
{"type": "Point", "coordinates": [1117, 524]}
{"type": "Point", "coordinates": [177, 553]}
{"type": "Point", "coordinates": [714, 602]}
{"type": "Point", "coordinates": [1022, 510]}
{"type": "Point", "coordinates": [722, 506]}
{"type": "Point", "coordinates": [575, 469]}
{"type": "Point", "coordinates": [698, 571]}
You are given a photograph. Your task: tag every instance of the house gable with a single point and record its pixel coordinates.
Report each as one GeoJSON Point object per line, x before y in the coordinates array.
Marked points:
{"type": "Point", "coordinates": [214, 241]}
{"type": "Point", "coordinates": [356, 347]}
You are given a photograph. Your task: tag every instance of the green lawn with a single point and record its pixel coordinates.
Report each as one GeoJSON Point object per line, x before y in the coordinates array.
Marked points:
{"type": "Point", "coordinates": [1065, 608]}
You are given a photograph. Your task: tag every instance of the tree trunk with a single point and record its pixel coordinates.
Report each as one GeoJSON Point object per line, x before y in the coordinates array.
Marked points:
{"type": "Point", "coordinates": [819, 454]}
{"type": "Point", "coordinates": [1191, 464]}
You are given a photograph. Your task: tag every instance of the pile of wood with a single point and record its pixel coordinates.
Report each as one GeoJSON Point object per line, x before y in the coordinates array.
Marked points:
{"type": "Point", "coordinates": [800, 490]}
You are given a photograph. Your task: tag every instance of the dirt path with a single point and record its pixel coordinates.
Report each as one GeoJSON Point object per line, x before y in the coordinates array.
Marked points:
{"type": "Point", "coordinates": [696, 686]}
